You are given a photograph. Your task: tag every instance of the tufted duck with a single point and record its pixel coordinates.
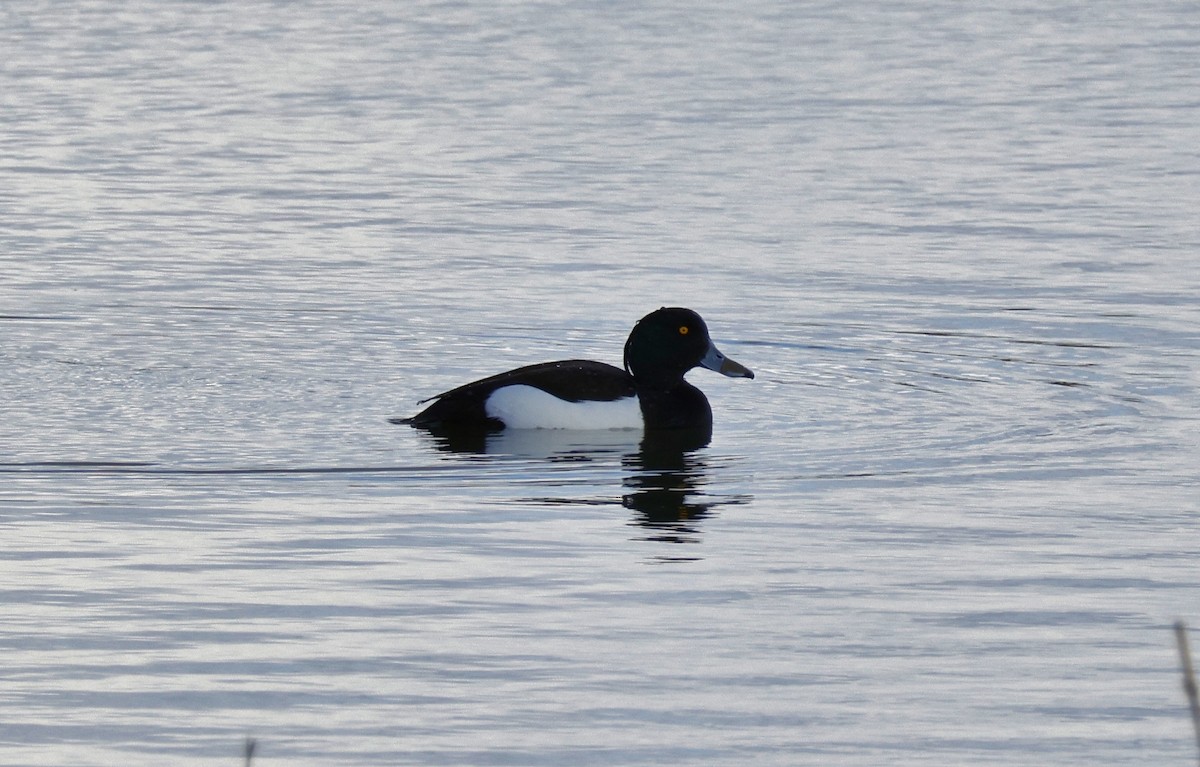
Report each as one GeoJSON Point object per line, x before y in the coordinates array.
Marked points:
{"type": "Point", "coordinates": [649, 393]}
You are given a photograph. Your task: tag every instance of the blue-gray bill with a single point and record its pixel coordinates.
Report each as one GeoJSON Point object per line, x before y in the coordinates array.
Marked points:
{"type": "Point", "coordinates": [714, 360]}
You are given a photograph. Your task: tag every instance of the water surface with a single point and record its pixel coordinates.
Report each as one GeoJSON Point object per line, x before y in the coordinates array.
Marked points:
{"type": "Point", "coordinates": [950, 521]}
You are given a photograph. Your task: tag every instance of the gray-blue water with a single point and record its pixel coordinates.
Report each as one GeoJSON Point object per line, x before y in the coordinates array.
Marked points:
{"type": "Point", "coordinates": [950, 522]}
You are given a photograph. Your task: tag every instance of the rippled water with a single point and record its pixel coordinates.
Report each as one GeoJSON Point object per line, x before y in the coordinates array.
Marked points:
{"type": "Point", "coordinates": [950, 521]}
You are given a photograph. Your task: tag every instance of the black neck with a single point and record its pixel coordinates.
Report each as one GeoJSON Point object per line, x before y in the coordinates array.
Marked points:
{"type": "Point", "coordinates": [678, 405]}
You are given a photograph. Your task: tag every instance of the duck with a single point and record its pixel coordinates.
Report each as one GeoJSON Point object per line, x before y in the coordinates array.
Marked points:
{"type": "Point", "coordinates": [650, 393]}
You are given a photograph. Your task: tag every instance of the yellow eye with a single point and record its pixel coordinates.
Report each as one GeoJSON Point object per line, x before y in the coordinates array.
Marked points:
{"type": "Point", "coordinates": [683, 330]}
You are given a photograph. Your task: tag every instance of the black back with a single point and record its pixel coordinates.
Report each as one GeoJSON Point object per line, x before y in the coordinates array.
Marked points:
{"type": "Point", "coordinates": [571, 380]}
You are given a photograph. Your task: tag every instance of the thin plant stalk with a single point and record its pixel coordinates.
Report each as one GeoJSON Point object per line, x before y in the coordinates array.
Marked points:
{"type": "Point", "coordinates": [1189, 679]}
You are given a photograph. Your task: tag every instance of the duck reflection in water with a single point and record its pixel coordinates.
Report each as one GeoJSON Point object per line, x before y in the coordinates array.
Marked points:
{"type": "Point", "coordinates": [665, 477]}
{"type": "Point", "coordinates": [665, 471]}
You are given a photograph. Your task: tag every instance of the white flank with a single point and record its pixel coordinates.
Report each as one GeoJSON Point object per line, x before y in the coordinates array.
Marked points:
{"type": "Point", "coordinates": [527, 407]}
